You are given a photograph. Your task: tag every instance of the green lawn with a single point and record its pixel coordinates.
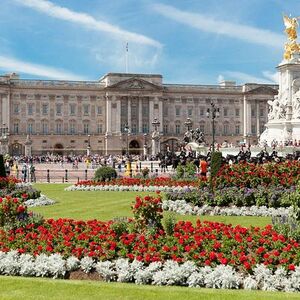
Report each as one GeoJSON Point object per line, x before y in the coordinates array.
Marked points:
{"type": "Point", "coordinates": [12, 288]}
{"type": "Point", "coordinates": [108, 205]}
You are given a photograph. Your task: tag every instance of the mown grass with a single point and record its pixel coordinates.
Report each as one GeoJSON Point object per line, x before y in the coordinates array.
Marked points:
{"type": "Point", "coordinates": [109, 205]}
{"type": "Point", "coordinates": [15, 288]}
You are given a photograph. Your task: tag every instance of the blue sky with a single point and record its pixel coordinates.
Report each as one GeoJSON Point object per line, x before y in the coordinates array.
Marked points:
{"type": "Point", "coordinates": [186, 41]}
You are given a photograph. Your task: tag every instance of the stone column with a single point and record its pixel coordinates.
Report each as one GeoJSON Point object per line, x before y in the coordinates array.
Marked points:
{"type": "Point", "coordinates": [257, 119]}
{"type": "Point", "coordinates": [129, 114]}
{"type": "Point", "coordinates": [108, 114]}
{"type": "Point", "coordinates": [151, 113]}
{"type": "Point", "coordinates": [140, 103]}
{"type": "Point", "coordinates": [160, 113]}
{"type": "Point", "coordinates": [118, 116]}
{"type": "Point", "coordinates": [245, 119]}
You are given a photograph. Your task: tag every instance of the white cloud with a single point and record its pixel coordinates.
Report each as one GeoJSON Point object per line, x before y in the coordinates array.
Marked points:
{"type": "Point", "coordinates": [210, 24]}
{"type": "Point", "coordinates": [9, 64]}
{"type": "Point", "coordinates": [221, 78]}
{"type": "Point", "coordinates": [247, 78]}
{"type": "Point", "coordinates": [272, 76]}
{"type": "Point", "coordinates": [87, 21]}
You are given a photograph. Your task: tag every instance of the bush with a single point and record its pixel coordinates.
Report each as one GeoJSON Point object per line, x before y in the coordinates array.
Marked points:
{"type": "Point", "coordinates": [215, 163]}
{"type": "Point", "coordinates": [105, 174]}
{"type": "Point", "coordinates": [147, 213]}
{"type": "Point", "coordinates": [169, 223]}
{"type": "Point", "coordinates": [26, 192]}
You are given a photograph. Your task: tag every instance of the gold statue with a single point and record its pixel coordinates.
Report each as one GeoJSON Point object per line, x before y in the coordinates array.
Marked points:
{"type": "Point", "coordinates": [291, 25]}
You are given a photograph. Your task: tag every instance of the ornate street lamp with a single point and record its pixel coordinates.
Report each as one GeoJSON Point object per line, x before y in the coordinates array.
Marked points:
{"type": "Point", "coordinates": [188, 123]}
{"type": "Point", "coordinates": [213, 113]}
{"type": "Point", "coordinates": [88, 148]}
{"type": "Point", "coordinates": [126, 129]}
{"type": "Point", "coordinates": [155, 123]}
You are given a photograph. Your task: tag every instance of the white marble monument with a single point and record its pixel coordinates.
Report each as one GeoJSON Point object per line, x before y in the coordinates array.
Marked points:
{"type": "Point", "coordinates": [284, 111]}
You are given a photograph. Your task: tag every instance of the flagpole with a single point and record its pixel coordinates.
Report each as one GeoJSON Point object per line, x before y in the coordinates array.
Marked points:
{"type": "Point", "coordinates": [126, 59]}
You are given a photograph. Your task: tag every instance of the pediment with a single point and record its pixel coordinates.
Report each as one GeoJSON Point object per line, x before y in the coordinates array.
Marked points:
{"type": "Point", "coordinates": [135, 84]}
{"type": "Point", "coordinates": [263, 90]}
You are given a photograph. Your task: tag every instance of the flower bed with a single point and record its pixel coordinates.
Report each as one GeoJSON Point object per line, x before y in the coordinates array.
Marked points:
{"type": "Point", "coordinates": [184, 208]}
{"type": "Point", "coordinates": [136, 188]}
{"type": "Point", "coordinates": [157, 181]}
{"type": "Point", "coordinates": [156, 273]}
{"type": "Point", "coordinates": [206, 243]}
{"type": "Point", "coordinates": [283, 174]}
{"type": "Point", "coordinates": [271, 196]}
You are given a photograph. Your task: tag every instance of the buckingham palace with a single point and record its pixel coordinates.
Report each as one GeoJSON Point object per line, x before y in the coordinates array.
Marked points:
{"type": "Point", "coordinates": [116, 113]}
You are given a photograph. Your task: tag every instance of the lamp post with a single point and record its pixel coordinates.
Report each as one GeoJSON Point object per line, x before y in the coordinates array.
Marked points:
{"type": "Point", "coordinates": [213, 112]}
{"type": "Point", "coordinates": [88, 148]}
{"type": "Point", "coordinates": [145, 146]}
{"type": "Point", "coordinates": [188, 123]}
{"type": "Point", "coordinates": [126, 129]}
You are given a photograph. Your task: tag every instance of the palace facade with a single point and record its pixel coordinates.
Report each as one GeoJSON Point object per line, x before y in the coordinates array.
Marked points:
{"type": "Point", "coordinates": [115, 113]}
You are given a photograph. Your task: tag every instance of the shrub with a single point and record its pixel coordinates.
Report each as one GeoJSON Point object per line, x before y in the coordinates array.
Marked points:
{"type": "Point", "coordinates": [147, 213]}
{"type": "Point", "coordinates": [26, 192]}
{"type": "Point", "coordinates": [215, 163]}
{"type": "Point", "coordinates": [105, 174]}
{"type": "Point", "coordinates": [180, 171]}
{"type": "Point", "coordinates": [169, 223]}
{"type": "Point", "coordinates": [12, 211]}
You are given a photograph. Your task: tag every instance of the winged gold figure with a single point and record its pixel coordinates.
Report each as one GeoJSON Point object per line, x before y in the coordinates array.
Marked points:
{"type": "Point", "coordinates": [291, 25]}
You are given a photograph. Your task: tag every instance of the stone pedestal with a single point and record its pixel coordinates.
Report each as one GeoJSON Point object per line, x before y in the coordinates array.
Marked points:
{"type": "Point", "coordinates": [4, 145]}
{"type": "Point", "coordinates": [28, 146]}
{"type": "Point", "coordinates": [284, 111]}
{"type": "Point", "coordinates": [155, 146]}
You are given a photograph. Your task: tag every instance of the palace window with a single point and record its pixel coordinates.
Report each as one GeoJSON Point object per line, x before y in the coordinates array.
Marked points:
{"type": "Point", "coordinates": [237, 129]}
{"type": "Point", "coordinates": [45, 129]}
{"type": "Point", "coordinates": [134, 128]}
{"type": "Point", "coordinates": [30, 109]}
{"type": "Point", "coordinates": [16, 109]}
{"type": "Point", "coordinates": [166, 128]}
{"type": "Point", "coordinates": [177, 128]}
{"type": "Point", "coordinates": [59, 128]}
{"type": "Point", "coordinates": [99, 128]}
{"type": "Point", "coordinates": [261, 112]}
{"type": "Point", "coordinates": [59, 109]}
{"type": "Point", "coordinates": [45, 109]}
{"type": "Point", "coordinates": [99, 110]}
{"type": "Point", "coordinates": [226, 129]}
{"type": "Point", "coordinates": [16, 128]}
{"type": "Point", "coordinates": [30, 128]}
{"type": "Point", "coordinates": [72, 108]}
{"type": "Point", "coordinates": [86, 109]}
{"type": "Point", "coordinates": [72, 129]}
{"type": "Point", "coordinates": [145, 128]}
{"type": "Point", "coordinates": [225, 112]}
{"type": "Point", "coordinates": [237, 112]}
{"type": "Point", "coordinates": [190, 111]}
{"type": "Point", "coordinates": [86, 128]}
{"type": "Point", "coordinates": [177, 111]}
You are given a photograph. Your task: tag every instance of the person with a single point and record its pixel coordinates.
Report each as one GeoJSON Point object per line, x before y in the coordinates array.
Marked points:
{"type": "Point", "coordinates": [32, 173]}
{"type": "Point", "coordinates": [24, 173]}
{"type": "Point", "coordinates": [203, 168]}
